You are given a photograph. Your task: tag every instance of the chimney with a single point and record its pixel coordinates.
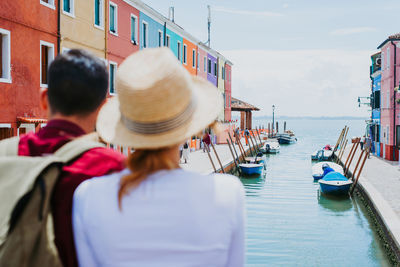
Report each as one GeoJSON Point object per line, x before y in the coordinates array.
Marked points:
{"type": "Point", "coordinates": [171, 14]}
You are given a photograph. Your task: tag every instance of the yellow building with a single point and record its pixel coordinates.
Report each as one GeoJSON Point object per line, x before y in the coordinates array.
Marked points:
{"type": "Point", "coordinates": [83, 24]}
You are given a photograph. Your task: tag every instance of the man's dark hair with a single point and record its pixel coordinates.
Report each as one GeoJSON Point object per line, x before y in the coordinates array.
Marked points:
{"type": "Point", "coordinates": [78, 83]}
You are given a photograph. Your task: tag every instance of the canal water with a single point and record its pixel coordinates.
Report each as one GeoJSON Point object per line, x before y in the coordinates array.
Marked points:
{"type": "Point", "coordinates": [289, 223]}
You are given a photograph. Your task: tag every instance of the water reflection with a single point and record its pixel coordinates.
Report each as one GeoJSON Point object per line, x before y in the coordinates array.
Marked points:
{"type": "Point", "coordinates": [336, 204]}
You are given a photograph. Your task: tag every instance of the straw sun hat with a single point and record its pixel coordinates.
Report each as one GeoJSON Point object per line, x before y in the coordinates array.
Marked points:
{"type": "Point", "coordinates": [158, 103]}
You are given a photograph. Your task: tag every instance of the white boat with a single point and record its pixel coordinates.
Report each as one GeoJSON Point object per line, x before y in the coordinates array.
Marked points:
{"type": "Point", "coordinates": [271, 146]}
{"type": "Point", "coordinates": [318, 172]}
{"type": "Point", "coordinates": [322, 154]}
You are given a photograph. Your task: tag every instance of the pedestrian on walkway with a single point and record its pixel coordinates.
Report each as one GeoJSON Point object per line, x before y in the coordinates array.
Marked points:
{"type": "Point", "coordinates": [77, 87]}
{"type": "Point", "coordinates": [186, 152]}
{"type": "Point", "coordinates": [206, 142]}
{"type": "Point", "coordinates": [154, 213]}
{"type": "Point", "coordinates": [247, 135]}
{"type": "Point", "coordinates": [362, 142]}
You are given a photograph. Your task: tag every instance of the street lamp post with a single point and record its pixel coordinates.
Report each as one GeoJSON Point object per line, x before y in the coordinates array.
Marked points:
{"type": "Point", "coordinates": [273, 118]}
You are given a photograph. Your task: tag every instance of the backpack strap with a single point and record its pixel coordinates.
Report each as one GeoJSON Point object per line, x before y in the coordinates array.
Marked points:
{"type": "Point", "coordinates": [77, 147]}
{"type": "Point", "coordinates": [9, 146]}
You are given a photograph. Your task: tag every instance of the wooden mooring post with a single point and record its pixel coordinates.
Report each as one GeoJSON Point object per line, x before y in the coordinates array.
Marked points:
{"type": "Point", "coordinates": [234, 149]}
{"type": "Point", "coordinates": [366, 154]}
{"type": "Point", "coordinates": [233, 155]}
{"type": "Point", "coordinates": [350, 157]}
{"type": "Point", "coordinates": [209, 156]}
{"type": "Point", "coordinates": [216, 154]}
{"type": "Point", "coordinates": [248, 142]}
{"type": "Point", "coordinates": [255, 145]}
{"type": "Point", "coordinates": [342, 142]}
{"type": "Point", "coordinates": [339, 139]}
{"type": "Point", "coordinates": [259, 137]}
{"type": "Point", "coordinates": [344, 148]}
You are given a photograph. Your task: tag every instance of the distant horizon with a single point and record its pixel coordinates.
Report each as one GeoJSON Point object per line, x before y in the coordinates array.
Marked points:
{"type": "Point", "coordinates": [307, 117]}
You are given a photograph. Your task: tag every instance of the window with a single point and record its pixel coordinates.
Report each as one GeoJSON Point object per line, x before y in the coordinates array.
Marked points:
{"type": "Point", "coordinates": [68, 7]}
{"type": "Point", "coordinates": [145, 34]}
{"type": "Point", "coordinates": [388, 58]}
{"type": "Point", "coordinates": [209, 66]}
{"type": "Point", "coordinates": [113, 69]}
{"type": "Point", "coordinates": [398, 136]}
{"type": "Point", "coordinates": [184, 54]}
{"type": "Point", "coordinates": [113, 18]}
{"type": "Point", "coordinates": [223, 73]}
{"type": "Point", "coordinates": [98, 13]}
{"type": "Point", "coordinates": [48, 3]}
{"type": "Point", "coordinates": [198, 59]}
{"type": "Point", "coordinates": [215, 69]}
{"type": "Point", "coordinates": [194, 58]}
{"type": "Point", "coordinates": [5, 56]}
{"type": "Point", "coordinates": [205, 64]}
{"type": "Point", "coordinates": [133, 29]}
{"type": "Point", "coordinates": [179, 50]}
{"type": "Point", "coordinates": [160, 38]}
{"type": "Point", "coordinates": [167, 41]}
{"type": "Point", "coordinates": [46, 57]}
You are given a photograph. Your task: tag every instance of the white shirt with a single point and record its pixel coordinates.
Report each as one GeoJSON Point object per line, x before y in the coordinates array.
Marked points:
{"type": "Point", "coordinates": [174, 218]}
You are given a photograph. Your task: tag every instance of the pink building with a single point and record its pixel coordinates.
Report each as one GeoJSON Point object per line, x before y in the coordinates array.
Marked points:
{"type": "Point", "coordinates": [122, 35]}
{"type": "Point", "coordinates": [390, 111]}
{"type": "Point", "coordinates": [228, 90]}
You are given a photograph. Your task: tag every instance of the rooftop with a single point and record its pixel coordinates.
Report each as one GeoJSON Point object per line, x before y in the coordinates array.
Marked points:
{"type": "Point", "coordinates": [239, 105]}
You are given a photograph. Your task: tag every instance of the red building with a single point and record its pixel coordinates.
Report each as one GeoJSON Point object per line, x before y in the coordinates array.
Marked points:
{"type": "Point", "coordinates": [228, 90]}
{"type": "Point", "coordinates": [122, 35]}
{"type": "Point", "coordinates": [28, 44]}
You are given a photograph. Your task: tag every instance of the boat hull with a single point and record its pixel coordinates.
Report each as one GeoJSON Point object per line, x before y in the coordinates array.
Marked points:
{"type": "Point", "coordinates": [251, 169]}
{"type": "Point", "coordinates": [332, 189]}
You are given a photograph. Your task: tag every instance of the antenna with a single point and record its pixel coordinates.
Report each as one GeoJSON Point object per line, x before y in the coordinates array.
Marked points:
{"type": "Point", "coordinates": [171, 14]}
{"type": "Point", "coordinates": [209, 25]}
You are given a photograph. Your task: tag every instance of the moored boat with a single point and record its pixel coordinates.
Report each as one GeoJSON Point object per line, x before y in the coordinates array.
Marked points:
{"type": "Point", "coordinates": [251, 168]}
{"type": "Point", "coordinates": [286, 138]}
{"type": "Point", "coordinates": [318, 172]}
{"type": "Point", "coordinates": [335, 183]}
{"type": "Point", "coordinates": [271, 146]}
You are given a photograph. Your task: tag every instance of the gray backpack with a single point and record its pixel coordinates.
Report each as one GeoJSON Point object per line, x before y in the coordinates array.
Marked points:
{"type": "Point", "coordinates": [26, 185]}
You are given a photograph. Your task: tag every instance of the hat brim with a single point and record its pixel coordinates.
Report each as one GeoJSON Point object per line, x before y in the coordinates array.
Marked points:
{"type": "Point", "coordinates": [112, 130]}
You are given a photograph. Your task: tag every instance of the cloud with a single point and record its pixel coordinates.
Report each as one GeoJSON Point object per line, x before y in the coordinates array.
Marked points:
{"type": "Point", "coordinates": [301, 82]}
{"type": "Point", "coordinates": [246, 12]}
{"type": "Point", "coordinates": [355, 30]}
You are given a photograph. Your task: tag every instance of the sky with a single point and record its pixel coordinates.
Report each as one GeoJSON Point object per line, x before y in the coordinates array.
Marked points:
{"type": "Point", "coordinates": [306, 57]}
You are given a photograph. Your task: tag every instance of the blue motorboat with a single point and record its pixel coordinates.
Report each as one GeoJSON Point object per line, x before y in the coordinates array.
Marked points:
{"type": "Point", "coordinates": [286, 138]}
{"type": "Point", "coordinates": [318, 172]}
{"type": "Point", "coordinates": [335, 183]}
{"type": "Point", "coordinates": [251, 168]}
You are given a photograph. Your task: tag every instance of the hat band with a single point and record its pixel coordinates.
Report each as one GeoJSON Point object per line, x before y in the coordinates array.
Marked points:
{"type": "Point", "coordinates": [161, 126]}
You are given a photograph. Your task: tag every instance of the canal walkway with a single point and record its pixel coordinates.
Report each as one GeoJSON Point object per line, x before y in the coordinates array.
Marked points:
{"type": "Point", "coordinates": [380, 181]}
{"type": "Point", "coordinates": [200, 162]}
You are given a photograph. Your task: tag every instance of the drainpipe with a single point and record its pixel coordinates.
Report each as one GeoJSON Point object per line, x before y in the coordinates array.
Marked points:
{"type": "Point", "coordinates": [58, 27]}
{"type": "Point", "coordinates": [106, 3]}
{"type": "Point", "coordinates": [165, 33]}
{"type": "Point", "coordinates": [394, 102]}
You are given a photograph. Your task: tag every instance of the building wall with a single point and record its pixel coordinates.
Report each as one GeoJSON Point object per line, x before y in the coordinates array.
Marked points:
{"type": "Point", "coordinates": [228, 91]}
{"type": "Point", "coordinates": [202, 54]}
{"type": "Point", "coordinates": [28, 22]}
{"type": "Point", "coordinates": [387, 91]}
{"type": "Point", "coordinates": [79, 30]}
{"type": "Point", "coordinates": [174, 39]}
{"type": "Point", "coordinates": [190, 46]}
{"type": "Point", "coordinates": [119, 47]}
{"type": "Point", "coordinates": [210, 76]}
{"type": "Point", "coordinates": [153, 29]}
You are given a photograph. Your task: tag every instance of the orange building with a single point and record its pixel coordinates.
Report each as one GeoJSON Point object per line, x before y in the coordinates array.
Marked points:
{"type": "Point", "coordinates": [189, 56]}
{"type": "Point", "coordinates": [28, 44]}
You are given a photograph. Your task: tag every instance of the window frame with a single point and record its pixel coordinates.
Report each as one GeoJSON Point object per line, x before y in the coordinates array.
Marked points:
{"type": "Point", "coordinates": [101, 15]}
{"type": "Point", "coordinates": [145, 38]}
{"type": "Point", "coordinates": [49, 5]}
{"type": "Point", "coordinates": [72, 8]}
{"type": "Point", "coordinates": [168, 40]}
{"type": "Point", "coordinates": [209, 66]}
{"type": "Point", "coordinates": [6, 62]}
{"type": "Point", "coordinates": [135, 42]}
{"type": "Point", "coordinates": [109, 76]}
{"type": "Point", "coordinates": [184, 54]}
{"type": "Point", "coordinates": [205, 64]}
{"type": "Point", "coordinates": [215, 69]}
{"type": "Point", "coordinates": [51, 58]}
{"type": "Point", "coordinates": [160, 38]}
{"type": "Point", "coordinates": [115, 18]}
{"type": "Point", "coordinates": [193, 58]}
{"type": "Point", "coordinates": [179, 45]}
{"type": "Point", "coordinates": [198, 60]}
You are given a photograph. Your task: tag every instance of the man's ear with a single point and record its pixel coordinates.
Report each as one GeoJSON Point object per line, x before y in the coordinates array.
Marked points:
{"type": "Point", "coordinates": [44, 100]}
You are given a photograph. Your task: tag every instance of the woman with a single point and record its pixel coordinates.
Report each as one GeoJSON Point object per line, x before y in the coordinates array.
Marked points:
{"type": "Point", "coordinates": [153, 213]}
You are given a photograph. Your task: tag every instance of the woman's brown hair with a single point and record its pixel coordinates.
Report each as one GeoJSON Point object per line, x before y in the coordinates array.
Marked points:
{"type": "Point", "coordinates": [142, 163]}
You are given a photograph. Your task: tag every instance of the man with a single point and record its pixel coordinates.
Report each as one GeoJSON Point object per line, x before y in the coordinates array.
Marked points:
{"type": "Point", "coordinates": [77, 88]}
{"type": "Point", "coordinates": [247, 134]}
{"type": "Point", "coordinates": [327, 169]}
{"type": "Point", "coordinates": [206, 141]}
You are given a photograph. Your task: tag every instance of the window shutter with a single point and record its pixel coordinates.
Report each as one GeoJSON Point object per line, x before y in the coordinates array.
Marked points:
{"type": "Point", "coordinates": [97, 12]}
{"type": "Point", "coordinates": [45, 59]}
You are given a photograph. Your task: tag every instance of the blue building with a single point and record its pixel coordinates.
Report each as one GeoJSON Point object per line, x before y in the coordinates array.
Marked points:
{"type": "Point", "coordinates": [151, 31]}
{"type": "Point", "coordinates": [375, 126]}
